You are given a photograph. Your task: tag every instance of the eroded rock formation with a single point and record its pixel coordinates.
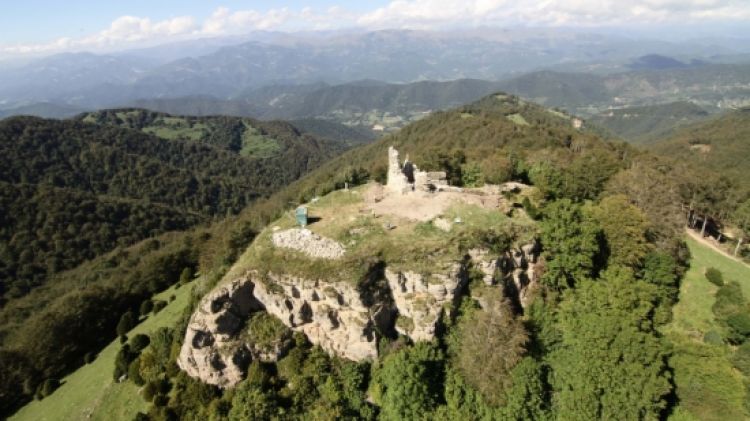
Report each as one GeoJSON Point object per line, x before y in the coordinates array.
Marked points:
{"type": "Point", "coordinates": [344, 318]}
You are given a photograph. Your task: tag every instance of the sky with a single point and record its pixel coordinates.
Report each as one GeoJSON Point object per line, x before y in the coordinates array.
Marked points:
{"type": "Point", "coordinates": [33, 27]}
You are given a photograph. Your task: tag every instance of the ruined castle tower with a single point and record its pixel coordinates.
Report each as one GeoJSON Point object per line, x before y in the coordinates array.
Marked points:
{"type": "Point", "coordinates": [408, 178]}
{"type": "Point", "coordinates": [397, 181]}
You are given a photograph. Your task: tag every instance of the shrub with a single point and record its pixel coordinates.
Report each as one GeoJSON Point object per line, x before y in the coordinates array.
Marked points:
{"type": "Point", "coordinates": [713, 337]}
{"type": "Point", "coordinates": [186, 276]}
{"type": "Point", "coordinates": [741, 358]}
{"type": "Point", "coordinates": [160, 400]}
{"type": "Point", "coordinates": [122, 361]}
{"type": "Point", "coordinates": [30, 385]}
{"type": "Point", "coordinates": [729, 300]}
{"type": "Point", "coordinates": [89, 357]}
{"type": "Point", "coordinates": [141, 417]}
{"type": "Point", "coordinates": [714, 276]}
{"type": "Point", "coordinates": [49, 386]}
{"type": "Point", "coordinates": [134, 372]}
{"type": "Point", "coordinates": [127, 322]}
{"type": "Point", "coordinates": [471, 175]}
{"type": "Point", "coordinates": [159, 306]}
{"type": "Point", "coordinates": [148, 391]}
{"type": "Point", "coordinates": [146, 307]}
{"type": "Point", "coordinates": [172, 298]}
{"type": "Point", "coordinates": [739, 327]}
{"type": "Point", "coordinates": [530, 209]}
{"type": "Point", "coordinates": [139, 342]}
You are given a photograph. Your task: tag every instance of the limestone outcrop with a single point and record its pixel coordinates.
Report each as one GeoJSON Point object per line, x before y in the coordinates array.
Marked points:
{"type": "Point", "coordinates": [421, 299]}
{"type": "Point", "coordinates": [210, 351]}
{"type": "Point", "coordinates": [344, 318]}
{"type": "Point", "coordinates": [339, 317]}
{"type": "Point", "coordinates": [517, 270]}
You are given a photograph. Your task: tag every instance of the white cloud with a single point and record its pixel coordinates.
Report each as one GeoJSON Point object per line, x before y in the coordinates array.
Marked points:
{"type": "Point", "coordinates": [223, 21]}
{"type": "Point", "coordinates": [128, 31]}
{"type": "Point", "coordinates": [432, 13]}
{"type": "Point", "coordinates": [122, 31]}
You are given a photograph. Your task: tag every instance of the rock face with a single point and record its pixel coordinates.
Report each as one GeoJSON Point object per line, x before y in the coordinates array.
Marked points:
{"type": "Point", "coordinates": [309, 243]}
{"type": "Point", "coordinates": [517, 270]}
{"type": "Point", "coordinates": [340, 318]}
{"type": "Point", "coordinates": [344, 318]}
{"type": "Point", "coordinates": [209, 351]}
{"type": "Point", "coordinates": [422, 299]}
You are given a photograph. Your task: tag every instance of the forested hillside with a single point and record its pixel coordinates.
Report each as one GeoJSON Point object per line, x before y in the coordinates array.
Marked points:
{"type": "Point", "coordinates": [609, 220]}
{"type": "Point", "coordinates": [604, 227]}
{"type": "Point", "coordinates": [73, 190]}
{"type": "Point", "coordinates": [644, 125]}
{"type": "Point", "coordinates": [720, 145]}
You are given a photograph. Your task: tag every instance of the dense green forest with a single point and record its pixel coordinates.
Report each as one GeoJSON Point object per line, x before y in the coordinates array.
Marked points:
{"type": "Point", "coordinates": [591, 345]}
{"type": "Point", "coordinates": [72, 190]}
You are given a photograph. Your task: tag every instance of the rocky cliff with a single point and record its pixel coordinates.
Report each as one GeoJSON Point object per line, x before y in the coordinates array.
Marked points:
{"type": "Point", "coordinates": [343, 318]}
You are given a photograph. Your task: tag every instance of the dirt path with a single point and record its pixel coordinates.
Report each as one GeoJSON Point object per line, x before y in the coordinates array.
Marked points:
{"type": "Point", "coordinates": [712, 244]}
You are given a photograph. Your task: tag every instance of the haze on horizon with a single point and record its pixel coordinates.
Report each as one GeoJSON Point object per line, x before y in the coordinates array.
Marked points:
{"type": "Point", "coordinates": [43, 27]}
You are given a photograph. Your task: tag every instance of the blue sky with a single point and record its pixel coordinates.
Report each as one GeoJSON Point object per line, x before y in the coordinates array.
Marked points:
{"type": "Point", "coordinates": [37, 27]}
{"type": "Point", "coordinates": [27, 21]}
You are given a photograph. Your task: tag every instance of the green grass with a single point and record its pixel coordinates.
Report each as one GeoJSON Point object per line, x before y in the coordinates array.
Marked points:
{"type": "Point", "coordinates": [708, 387]}
{"type": "Point", "coordinates": [518, 119]}
{"type": "Point", "coordinates": [411, 246]}
{"type": "Point", "coordinates": [257, 145]}
{"type": "Point", "coordinates": [172, 128]}
{"type": "Point", "coordinates": [90, 392]}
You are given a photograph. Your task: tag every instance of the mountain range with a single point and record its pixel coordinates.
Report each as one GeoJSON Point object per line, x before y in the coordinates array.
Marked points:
{"type": "Point", "coordinates": [225, 67]}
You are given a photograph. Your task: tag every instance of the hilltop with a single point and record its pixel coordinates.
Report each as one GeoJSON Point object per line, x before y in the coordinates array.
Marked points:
{"type": "Point", "coordinates": [719, 145]}
{"type": "Point", "coordinates": [469, 275]}
{"type": "Point", "coordinates": [648, 124]}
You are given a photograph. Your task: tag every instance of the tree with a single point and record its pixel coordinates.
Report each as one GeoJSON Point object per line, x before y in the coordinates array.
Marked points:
{"type": "Point", "coordinates": [570, 241]}
{"type": "Point", "coordinates": [49, 386]}
{"type": "Point", "coordinates": [661, 270]}
{"type": "Point", "coordinates": [611, 363]}
{"type": "Point", "coordinates": [139, 342]}
{"type": "Point", "coordinates": [186, 276]}
{"type": "Point", "coordinates": [250, 403]}
{"type": "Point", "coordinates": [471, 175]}
{"type": "Point", "coordinates": [624, 227]}
{"type": "Point", "coordinates": [146, 307]}
{"type": "Point", "coordinates": [741, 358]}
{"type": "Point", "coordinates": [742, 219]}
{"type": "Point", "coordinates": [410, 382]}
{"type": "Point", "coordinates": [126, 323]}
{"type": "Point", "coordinates": [491, 341]}
{"type": "Point", "coordinates": [653, 189]}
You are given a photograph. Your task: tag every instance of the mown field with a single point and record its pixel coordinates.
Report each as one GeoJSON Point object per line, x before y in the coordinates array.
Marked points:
{"type": "Point", "coordinates": [90, 392]}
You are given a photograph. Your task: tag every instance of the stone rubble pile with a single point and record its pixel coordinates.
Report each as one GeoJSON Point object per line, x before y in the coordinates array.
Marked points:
{"type": "Point", "coordinates": [308, 242]}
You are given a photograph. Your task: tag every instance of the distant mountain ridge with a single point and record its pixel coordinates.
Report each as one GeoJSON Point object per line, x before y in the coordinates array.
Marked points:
{"type": "Point", "coordinates": [221, 68]}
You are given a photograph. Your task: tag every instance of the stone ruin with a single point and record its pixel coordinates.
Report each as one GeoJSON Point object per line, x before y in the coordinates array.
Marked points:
{"type": "Point", "coordinates": [405, 178]}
